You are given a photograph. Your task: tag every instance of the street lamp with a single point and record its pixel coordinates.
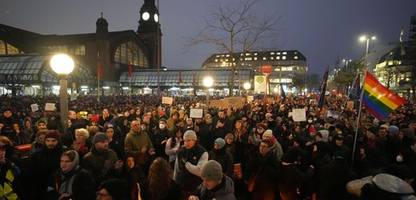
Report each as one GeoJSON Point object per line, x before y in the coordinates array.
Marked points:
{"type": "Point", "coordinates": [208, 82]}
{"type": "Point", "coordinates": [366, 39]}
{"type": "Point", "coordinates": [62, 65]}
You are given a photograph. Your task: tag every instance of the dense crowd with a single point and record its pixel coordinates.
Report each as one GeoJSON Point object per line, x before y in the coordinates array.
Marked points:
{"type": "Point", "coordinates": [133, 147]}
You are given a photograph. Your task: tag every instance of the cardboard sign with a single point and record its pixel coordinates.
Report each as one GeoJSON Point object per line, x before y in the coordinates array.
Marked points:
{"type": "Point", "coordinates": [218, 104]}
{"type": "Point", "coordinates": [167, 100]}
{"type": "Point", "coordinates": [196, 113]}
{"type": "Point", "coordinates": [34, 107]}
{"type": "Point", "coordinates": [50, 107]}
{"type": "Point", "coordinates": [250, 99]}
{"type": "Point", "coordinates": [235, 102]}
{"type": "Point", "coordinates": [299, 115]}
{"type": "Point", "coordinates": [350, 105]}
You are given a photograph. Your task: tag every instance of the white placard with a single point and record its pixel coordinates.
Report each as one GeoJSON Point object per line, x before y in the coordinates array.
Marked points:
{"type": "Point", "coordinates": [260, 84]}
{"type": "Point", "coordinates": [196, 113]}
{"type": "Point", "coordinates": [167, 100]}
{"type": "Point", "coordinates": [34, 107]}
{"type": "Point", "coordinates": [299, 115]}
{"type": "Point", "coordinates": [50, 107]}
{"type": "Point", "coordinates": [333, 114]}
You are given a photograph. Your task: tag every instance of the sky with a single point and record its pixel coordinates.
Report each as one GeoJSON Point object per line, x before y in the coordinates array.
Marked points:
{"type": "Point", "coordinates": [323, 30]}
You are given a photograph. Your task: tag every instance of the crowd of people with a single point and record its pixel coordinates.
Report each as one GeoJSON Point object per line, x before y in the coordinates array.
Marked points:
{"type": "Point", "coordinates": [134, 147]}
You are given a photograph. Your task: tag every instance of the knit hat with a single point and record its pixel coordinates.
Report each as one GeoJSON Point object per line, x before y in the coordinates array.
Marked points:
{"type": "Point", "coordinates": [220, 142]}
{"type": "Point", "coordinates": [116, 188]}
{"type": "Point", "coordinates": [99, 137]}
{"type": "Point", "coordinates": [393, 130]}
{"type": "Point", "coordinates": [212, 170]}
{"type": "Point", "coordinates": [52, 134]}
{"type": "Point", "coordinates": [190, 135]}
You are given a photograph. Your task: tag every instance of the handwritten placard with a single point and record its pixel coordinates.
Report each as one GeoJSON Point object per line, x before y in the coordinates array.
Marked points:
{"type": "Point", "coordinates": [167, 100]}
{"type": "Point", "coordinates": [34, 107]}
{"type": "Point", "coordinates": [50, 107]}
{"type": "Point", "coordinates": [196, 113]}
{"type": "Point", "coordinates": [299, 115]}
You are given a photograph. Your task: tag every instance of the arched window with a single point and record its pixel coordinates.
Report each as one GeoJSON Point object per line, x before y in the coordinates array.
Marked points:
{"type": "Point", "coordinates": [130, 52]}
{"type": "Point", "coordinates": [8, 49]}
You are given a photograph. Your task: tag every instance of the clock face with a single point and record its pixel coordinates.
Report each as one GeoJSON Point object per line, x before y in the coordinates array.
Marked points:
{"type": "Point", "coordinates": [145, 16]}
{"type": "Point", "coordinates": [156, 17]}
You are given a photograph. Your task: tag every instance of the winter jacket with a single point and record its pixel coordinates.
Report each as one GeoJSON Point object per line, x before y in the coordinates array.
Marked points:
{"type": "Point", "coordinates": [224, 191]}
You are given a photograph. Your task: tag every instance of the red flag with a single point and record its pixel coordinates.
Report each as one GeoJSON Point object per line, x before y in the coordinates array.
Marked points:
{"type": "Point", "coordinates": [130, 70]}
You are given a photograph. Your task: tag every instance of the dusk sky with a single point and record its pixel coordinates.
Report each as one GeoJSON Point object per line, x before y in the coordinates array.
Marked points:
{"type": "Point", "coordinates": [323, 30]}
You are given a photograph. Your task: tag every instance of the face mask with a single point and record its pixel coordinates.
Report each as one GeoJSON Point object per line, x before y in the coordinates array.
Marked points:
{"type": "Point", "coordinates": [143, 128]}
{"type": "Point", "coordinates": [309, 121]}
{"type": "Point", "coordinates": [399, 158]}
{"type": "Point", "coordinates": [162, 126]}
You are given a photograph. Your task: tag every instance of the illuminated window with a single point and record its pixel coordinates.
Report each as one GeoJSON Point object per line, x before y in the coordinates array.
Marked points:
{"type": "Point", "coordinates": [277, 57]}
{"type": "Point", "coordinates": [130, 52]}
{"type": "Point", "coordinates": [8, 49]}
{"type": "Point", "coordinates": [216, 60]}
{"type": "Point", "coordinates": [283, 57]}
{"type": "Point", "coordinates": [248, 54]}
{"type": "Point", "coordinates": [255, 58]}
{"type": "Point", "coordinates": [79, 50]}
{"type": "Point", "coordinates": [277, 53]}
{"type": "Point", "coordinates": [284, 53]}
{"type": "Point", "coordinates": [264, 58]}
{"type": "Point", "coordinates": [287, 69]}
{"type": "Point", "coordinates": [255, 54]}
{"type": "Point", "coordinates": [271, 53]}
{"type": "Point", "coordinates": [271, 58]}
{"type": "Point", "coordinates": [248, 58]}
{"type": "Point", "coordinates": [296, 57]}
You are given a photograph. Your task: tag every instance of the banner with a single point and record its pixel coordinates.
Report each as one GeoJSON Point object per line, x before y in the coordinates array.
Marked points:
{"type": "Point", "coordinates": [235, 102]}
{"type": "Point", "coordinates": [260, 84]}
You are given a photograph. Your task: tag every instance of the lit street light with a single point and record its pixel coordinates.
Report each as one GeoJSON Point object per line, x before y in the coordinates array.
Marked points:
{"type": "Point", "coordinates": [208, 82]}
{"type": "Point", "coordinates": [62, 65]}
{"type": "Point", "coordinates": [366, 39]}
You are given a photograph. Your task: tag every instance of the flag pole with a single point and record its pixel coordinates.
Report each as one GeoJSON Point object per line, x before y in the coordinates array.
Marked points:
{"type": "Point", "coordinates": [358, 121]}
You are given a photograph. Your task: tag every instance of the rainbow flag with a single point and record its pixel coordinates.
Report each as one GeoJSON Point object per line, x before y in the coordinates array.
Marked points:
{"type": "Point", "coordinates": [378, 100]}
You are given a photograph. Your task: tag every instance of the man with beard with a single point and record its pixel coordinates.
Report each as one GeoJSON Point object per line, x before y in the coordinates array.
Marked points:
{"type": "Point", "coordinates": [100, 160]}
{"type": "Point", "coordinates": [44, 164]}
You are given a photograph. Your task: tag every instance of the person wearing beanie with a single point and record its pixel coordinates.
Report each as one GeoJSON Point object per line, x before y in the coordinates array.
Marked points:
{"type": "Point", "coordinates": [276, 146]}
{"type": "Point", "coordinates": [190, 159]}
{"type": "Point", "coordinates": [113, 189]}
{"type": "Point", "coordinates": [71, 181]}
{"type": "Point", "coordinates": [101, 159]}
{"type": "Point", "coordinates": [45, 163]}
{"type": "Point", "coordinates": [215, 184]}
{"type": "Point", "coordinates": [222, 156]}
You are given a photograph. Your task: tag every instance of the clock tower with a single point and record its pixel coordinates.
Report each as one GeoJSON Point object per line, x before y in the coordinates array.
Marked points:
{"type": "Point", "coordinates": [149, 31]}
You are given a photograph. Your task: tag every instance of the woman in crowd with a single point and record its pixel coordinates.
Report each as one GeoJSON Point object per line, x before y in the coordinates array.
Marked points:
{"type": "Point", "coordinates": [160, 184]}
{"type": "Point", "coordinates": [81, 143]}
{"type": "Point", "coordinates": [71, 181]}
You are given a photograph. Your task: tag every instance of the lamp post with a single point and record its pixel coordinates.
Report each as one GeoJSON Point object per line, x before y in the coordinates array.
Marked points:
{"type": "Point", "coordinates": [63, 65]}
{"type": "Point", "coordinates": [208, 82]}
{"type": "Point", "coordinates": [247, 86]}
{"type": "Point", "coordinates": [366, 39]}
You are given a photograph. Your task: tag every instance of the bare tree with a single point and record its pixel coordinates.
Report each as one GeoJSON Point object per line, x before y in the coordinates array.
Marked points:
{"type": "Point", "coordinates": [235, 28]}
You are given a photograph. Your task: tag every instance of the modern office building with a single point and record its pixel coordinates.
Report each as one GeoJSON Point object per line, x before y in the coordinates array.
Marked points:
{"type": "Point", "coordinates": [289, 67]}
